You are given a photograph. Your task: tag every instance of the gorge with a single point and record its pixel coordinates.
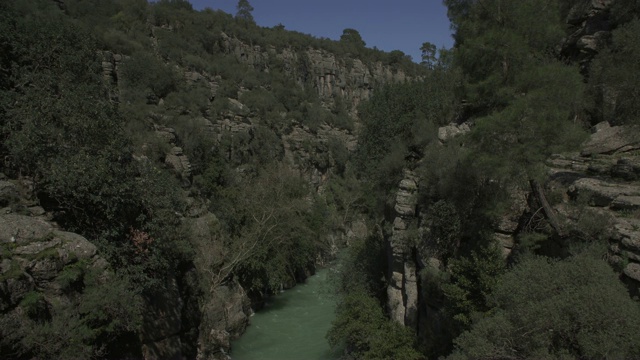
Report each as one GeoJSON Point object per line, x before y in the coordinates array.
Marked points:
{"type": "Point", "coordinates": [167, 172]}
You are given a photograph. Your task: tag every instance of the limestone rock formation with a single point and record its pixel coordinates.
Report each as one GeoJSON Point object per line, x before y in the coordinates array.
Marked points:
{"type": "Point", "coordinates": [402, 291]}
{"type": "Point", "coordinates": [225, 317]}
{"type": "Point", "coordinates": [452, 130]}
{"type": "Point", "coordinates": [37, 259]}
{"type": "Point", "coordinates": [590, 28]}
{"type": "Point", "coordinates": [609, 139]}
{"type": "Point", "coordinates": [331, 76]}
{"type": "Point", "coordinates": [33, 257]}
{"type": "Point", "coordinates": [602, 179]}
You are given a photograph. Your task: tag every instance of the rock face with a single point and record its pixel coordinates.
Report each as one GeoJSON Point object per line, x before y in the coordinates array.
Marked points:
{"type": "Point", "coordinates": [224, 306]}
{"type": "Point", "coordinates": [33, 258]}
{"type": "Point", "coordinates": [402, 291]}
{"type": "Point", "coordinates": [602, 182]}
{"type": "Point", "coordinates": [330, 76]}
{"type": "Point", "coordinates": [611, 139]}
{"type": "Point", "coordinates": [225, 318]}
{"type": "Point", "coordinates": [452, 130]}
{"type": "Point", "coordinates": [509, 221]}
{"type": "Point", "coordinates": [590, 30]}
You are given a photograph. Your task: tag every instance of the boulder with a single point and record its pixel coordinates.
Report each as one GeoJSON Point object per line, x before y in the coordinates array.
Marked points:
{"type": "Point", "coordinates": [613, 139]}
{"type": "Point", "coordinates": [632, 270]}
{"type": "Point", "coordinates": [74, 247]}
{"type": "Point", "coordinates": [627, 233]}
{"type": "Point", "coordinates": [452, 130]}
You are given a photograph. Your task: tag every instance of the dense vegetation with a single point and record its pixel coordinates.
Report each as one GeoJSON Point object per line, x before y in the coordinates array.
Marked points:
{"type": "Point", "coordinates": [89, 146]}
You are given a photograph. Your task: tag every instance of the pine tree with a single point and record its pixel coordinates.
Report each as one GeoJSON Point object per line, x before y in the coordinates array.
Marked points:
{"type": "Point", "coordinates": [244, 10]}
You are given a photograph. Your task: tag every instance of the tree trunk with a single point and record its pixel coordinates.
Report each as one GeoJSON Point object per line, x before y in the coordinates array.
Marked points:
{"type": "Point", "coordinates": [546, 208]}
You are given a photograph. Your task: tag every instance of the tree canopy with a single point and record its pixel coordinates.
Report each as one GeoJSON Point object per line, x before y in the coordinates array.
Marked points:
{"type": "Point", "coordinates": [244, 10]}
{"type": "Point", "coordinates": [574, 308]}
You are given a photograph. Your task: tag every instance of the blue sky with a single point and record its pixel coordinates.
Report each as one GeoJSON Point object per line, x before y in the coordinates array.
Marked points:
{"type": "Point", "coordinates": [388, 24]}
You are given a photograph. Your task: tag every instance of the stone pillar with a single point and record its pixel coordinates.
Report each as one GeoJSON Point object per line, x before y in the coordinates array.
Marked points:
{"type": "Point", "coordinates": [402, 291]}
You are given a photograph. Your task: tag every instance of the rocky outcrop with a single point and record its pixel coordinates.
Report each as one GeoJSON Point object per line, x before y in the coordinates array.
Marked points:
{"type": "Point", "coordinates": [225, 317]}
{"type": "Point", "coordinates": [224, 306]}
{"type": "Point", "coordinates": [179, 162]}
{"type": "Point", "coordinates": [508, 224]}
{"type": "Point", "coordinates": [589, 29]}
{"type": "Point", "coordinates": [602, 193]}
{"type": "Point", "coordinates": [35, 258]}
{"type": "Point", "coordinates": [175, 158]}
{"type": "Point", "coordinates": [110, 65]}
{"type": "Point", "coordinates": [402, 291]}
{"type": "Point", "coordinates": [311, 154]}
{"type": "Point", "coordinates": [612, 139]}
{"type": "Point", "coordinates": [600, 184]}
{"type": "Point", "coordinates": [452, 130]}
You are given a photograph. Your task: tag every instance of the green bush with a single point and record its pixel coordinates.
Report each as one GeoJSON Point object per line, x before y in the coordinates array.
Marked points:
{"type": "Point", "coordinates": [71, 275]}
{"type": "Point", "coordinates": [34, 305]}
{"type": "Point", "coordinates": [472, 281]}
{"type": "Point", "coordinates": [361, 326]}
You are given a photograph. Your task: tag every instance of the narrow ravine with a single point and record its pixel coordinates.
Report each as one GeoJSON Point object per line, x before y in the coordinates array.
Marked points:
{"type": "Point", "coordinates": [292, 326]}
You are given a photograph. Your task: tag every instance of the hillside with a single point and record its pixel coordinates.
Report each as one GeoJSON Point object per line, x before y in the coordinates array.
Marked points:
{"type": "Point", "coordinates": [167, 170]}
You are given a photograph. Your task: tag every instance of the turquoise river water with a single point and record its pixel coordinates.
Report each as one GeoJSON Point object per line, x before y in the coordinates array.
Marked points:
{"type": "Point", "coordinates": [292, 326]}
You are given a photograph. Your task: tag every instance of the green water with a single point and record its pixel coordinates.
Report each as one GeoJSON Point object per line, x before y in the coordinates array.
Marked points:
{"type": "Point", "coordinates": [292, 326]}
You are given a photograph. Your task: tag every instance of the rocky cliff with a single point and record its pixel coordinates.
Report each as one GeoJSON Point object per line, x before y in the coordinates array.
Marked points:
{"type": "Point", "coordinates": [589, 28]}
{"type": "Point", "coordinates": [599, 192]}
{"type": "Point", "coordinates": [349, 79]}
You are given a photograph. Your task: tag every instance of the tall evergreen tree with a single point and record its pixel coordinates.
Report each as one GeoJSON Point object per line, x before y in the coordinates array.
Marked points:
{"type": "Point", "coordinates": [244, 10]}
{"type": "Point", "coordinates": [428, 54]}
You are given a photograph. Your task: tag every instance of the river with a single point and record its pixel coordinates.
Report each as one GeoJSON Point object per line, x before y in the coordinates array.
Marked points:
{"type": "Point", "coordinates": [292, 326]}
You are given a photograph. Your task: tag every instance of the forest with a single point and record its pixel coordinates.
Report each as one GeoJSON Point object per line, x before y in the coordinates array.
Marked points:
{"type": "Point", "coordinates": [210, 162]}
